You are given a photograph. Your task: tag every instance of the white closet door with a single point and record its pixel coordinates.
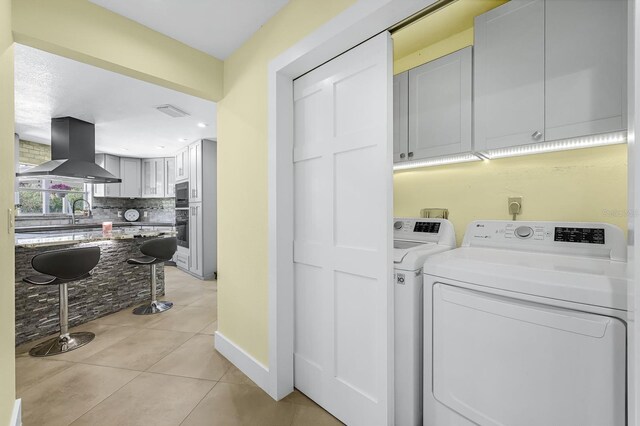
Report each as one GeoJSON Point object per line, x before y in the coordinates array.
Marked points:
{"type": "Point", "coordinates": [400, 117]}
{"type": "Point", "coordinates": [342, 250]}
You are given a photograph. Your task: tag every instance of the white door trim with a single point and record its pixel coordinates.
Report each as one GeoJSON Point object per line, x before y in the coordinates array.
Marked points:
{"type": "Point", "coordinates": [358, 23]}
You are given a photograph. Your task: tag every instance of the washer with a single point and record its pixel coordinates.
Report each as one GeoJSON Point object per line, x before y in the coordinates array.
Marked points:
{"type": "Point", "coordinates": [525, 324]}
{"type": "Point", "coordinates": [414, 241]}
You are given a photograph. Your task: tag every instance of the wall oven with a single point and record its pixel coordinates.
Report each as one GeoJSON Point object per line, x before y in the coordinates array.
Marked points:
{"type": "Point", "coordinates": [182, 195]}
{"type": "Point", "coordinates": [182, 227]}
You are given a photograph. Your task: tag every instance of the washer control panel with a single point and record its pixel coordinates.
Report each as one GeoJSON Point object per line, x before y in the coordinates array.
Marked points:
{"type": "Point", "coordinates": [563, 237]}
{"type": "Point", "coordinates": [424, 230]}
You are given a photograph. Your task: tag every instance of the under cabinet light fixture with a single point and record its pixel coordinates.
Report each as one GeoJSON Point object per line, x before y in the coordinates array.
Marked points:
{"type": "Point", "coordinates": [451, 159]}
{"type": "Point", "coordinates": [171, 111]}
{"type": "Point", "coordinates": [559, 145]}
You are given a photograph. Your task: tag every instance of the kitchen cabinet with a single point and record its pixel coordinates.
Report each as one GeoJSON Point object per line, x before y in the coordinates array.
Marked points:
{"type": "Point", "coordinates": [196, 239]}
{"type": "Point", "coordinates": [440, 110]}
{"type": "Point", "coordinates": [182, 165]}
{"type": "Point", "coordinates": [170, 177]}
{"type": "Point", "coordinates": [549, 70]}
{"type": "Point", "coordinates": [509, 75]}
{"type": "Point", "coordinates": [400, 116]}
{"type": "Point", "coordinates": [195, 172]}
{"type": "Point", "coordinates": [130, 173]}
{"type": "Point", "coordinates": [110, 163]}
{"type": "Point", "coordinates": [153, 178]}
{"type": "Point", "coordinates": [585, 67]}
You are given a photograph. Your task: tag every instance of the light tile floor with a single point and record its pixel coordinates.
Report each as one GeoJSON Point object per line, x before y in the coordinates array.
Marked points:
{"type": "Point", "coordinates": [155, 369]}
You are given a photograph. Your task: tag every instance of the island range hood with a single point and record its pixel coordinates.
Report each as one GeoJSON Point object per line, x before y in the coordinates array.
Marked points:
{"type": "Point", "coordinates": [73, 149]}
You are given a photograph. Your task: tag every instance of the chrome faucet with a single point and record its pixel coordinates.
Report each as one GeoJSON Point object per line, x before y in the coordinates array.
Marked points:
{"type": "Point", "coordinates": [73, 210]}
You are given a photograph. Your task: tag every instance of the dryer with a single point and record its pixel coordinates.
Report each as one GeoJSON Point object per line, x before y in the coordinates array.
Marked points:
{"type": "Point", "coordinates": [414, 241]}
{"type": "Point", "coordinates": [525, 324]}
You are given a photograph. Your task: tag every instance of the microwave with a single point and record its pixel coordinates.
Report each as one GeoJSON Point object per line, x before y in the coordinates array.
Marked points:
{"type": "Point", "coordinates": [182, 195]}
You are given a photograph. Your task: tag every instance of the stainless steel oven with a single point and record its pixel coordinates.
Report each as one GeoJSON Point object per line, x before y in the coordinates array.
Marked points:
{"type": "Point", "coordinates": [182, 195]}
{"type": "Point", "coordinates": [182, 227]}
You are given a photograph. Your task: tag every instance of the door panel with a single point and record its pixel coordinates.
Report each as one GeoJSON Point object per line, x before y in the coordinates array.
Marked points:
{"type": "Point", "coordinates": [499, 361]}
{"type": "Point", "coordinates": [400, 116]}
{"type": "Point", "coordinates": [509, 75]}
{"type": "Point", "coordinates": [342, 242]}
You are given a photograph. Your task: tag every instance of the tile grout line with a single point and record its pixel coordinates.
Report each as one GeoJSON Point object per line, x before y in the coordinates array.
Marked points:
{"type": "Point", "coordinates": [199, 402]}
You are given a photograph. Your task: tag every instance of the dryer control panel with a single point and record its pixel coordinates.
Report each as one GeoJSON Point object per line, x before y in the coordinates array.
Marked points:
{"type": "Point", "coordinates": [578, 238]}
{"type": "Point", "coordinates": [439, 231]}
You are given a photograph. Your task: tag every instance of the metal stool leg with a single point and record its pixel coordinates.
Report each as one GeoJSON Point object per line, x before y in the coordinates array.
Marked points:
{"type": "Point", "coordinates": [155, 306]}
{"type": "Point", "coordinates": [66, 341]}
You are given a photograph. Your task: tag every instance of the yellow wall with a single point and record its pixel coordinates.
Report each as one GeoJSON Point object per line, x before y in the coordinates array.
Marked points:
{"type": "Point", "coordinates": [7, 317]}
{"type": "Point", "coordinates": [580, 185]}
{"type": "Point", "coordinates": [81, 30]}
{"type": "Point", "coordinates": [435, 51]}
{"type": "Point", "coordinates": [242, 173]}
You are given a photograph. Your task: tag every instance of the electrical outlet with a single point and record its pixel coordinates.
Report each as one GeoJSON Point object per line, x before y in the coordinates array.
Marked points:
{"type": "Point", "coordinates": [119, 214]}
{"type": "Point", "coordinates": [145, 214]}
{"type": "Point", "coordinates": [515, 206]}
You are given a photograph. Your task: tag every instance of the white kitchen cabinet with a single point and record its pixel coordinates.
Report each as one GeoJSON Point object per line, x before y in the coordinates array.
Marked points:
{"type": "Point", "coordinates": [196, 239]}
{"type": "Point", "coordinates": [110, 163]}
{"type": "Point", "coordinates": [440, 110]}
{"type": "Point", "coordinates": [509, 75]}
{"type": "Point", "coordinates": [195, 172]}
{"type": "Point", "coordinates": [182, 165]}
{"type": "Point", "coordinates": [130, 173]}
{"type": "Point", "coordinates": [170, 177]}
{"type": "Point", "coordinates": [585, 67]}
{"type": "Point", "coordinates": [400, 116]}
{"type": "Point", "coordinates": [153, 178]}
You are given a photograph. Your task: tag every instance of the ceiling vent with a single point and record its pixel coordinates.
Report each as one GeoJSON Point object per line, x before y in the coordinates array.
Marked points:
{"type": "Point", "coordinates": [172, 111]}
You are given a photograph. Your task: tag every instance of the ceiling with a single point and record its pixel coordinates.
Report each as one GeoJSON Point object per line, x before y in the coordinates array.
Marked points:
{"type": "Point", "coordinates": [440, 25]}
{"type": "Point", "coordinates": [122, 108]}
{"type": "Point", "coordinates": [217, 27]}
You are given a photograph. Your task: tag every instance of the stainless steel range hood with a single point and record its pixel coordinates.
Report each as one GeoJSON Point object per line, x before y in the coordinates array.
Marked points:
{"type": "Point", "coordinates": [73, 149]}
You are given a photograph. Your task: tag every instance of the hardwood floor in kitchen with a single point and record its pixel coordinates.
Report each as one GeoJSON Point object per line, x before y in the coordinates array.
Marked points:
{"type": "Point", "coordinates": [157, 369]}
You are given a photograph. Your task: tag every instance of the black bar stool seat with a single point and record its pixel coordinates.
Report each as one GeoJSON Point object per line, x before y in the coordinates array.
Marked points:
{"type": "Point", "coordinates": [59, 267]}
{"type": "Point", "coordinates": [155, 251]}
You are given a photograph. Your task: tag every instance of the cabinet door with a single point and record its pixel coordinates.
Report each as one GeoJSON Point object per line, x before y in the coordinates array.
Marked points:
{"type": "Point", "coordinates": [195, 172]}
{"type": "Point", "coordinates": [509, 75]}
{"type": "Point", "coordinates": [170, 177]}
{"type": "Point", "coordinates": [440, 106]}
{"type": "Point", "coordinates": [147, 178]}
{"type": "Point", "coordinates": [585, 64]}
{"type": "Point", "coordinates": [111, 164]}
{"type": "Point", "coordinates": [159, 178]}
{"type": "Point", "coordinates": [182, 165]}
{"type": "Point", "coordinates": [195, 239]}
{"type": "Point", "coordinates": [400, 116]}
{"type": "Point", "coordinates": [131, 177]}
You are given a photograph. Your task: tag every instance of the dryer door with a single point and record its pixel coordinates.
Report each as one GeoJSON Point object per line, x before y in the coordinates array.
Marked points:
{"type": "Point", "coordinates": [502, 361]}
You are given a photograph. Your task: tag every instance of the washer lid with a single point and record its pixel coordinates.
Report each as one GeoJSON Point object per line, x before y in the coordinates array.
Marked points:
{"type": "Point", "coordinates": [410, 255]}
{"type": "Point", "coordinates": [586, 280]}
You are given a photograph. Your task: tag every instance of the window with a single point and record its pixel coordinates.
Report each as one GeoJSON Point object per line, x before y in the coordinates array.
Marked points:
{"type": "Point", "coordinates": [49, 196]}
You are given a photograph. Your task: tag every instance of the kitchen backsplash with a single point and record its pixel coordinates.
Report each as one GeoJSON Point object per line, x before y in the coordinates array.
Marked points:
{"type": "Point", "coordinates": [157, 209]}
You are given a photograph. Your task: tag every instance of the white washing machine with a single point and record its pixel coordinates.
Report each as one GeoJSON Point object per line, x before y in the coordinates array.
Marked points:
{"type": "Point", "coordinates": [525, 324]}
{"type": "Point", "coordinates": [414, 241]}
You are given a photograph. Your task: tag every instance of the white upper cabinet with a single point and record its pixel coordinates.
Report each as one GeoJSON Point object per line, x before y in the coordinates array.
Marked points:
{"type": "Point", "coordinates": [400, 116]}
{"type": "Point", "coordinates": [440, 111]}
{"type": "Point", "coordinates": [585, 67]}
{"type": "Point", "coordinates": [170, 177]}
{"type": "Point", "coordinates": [182, 165]}
{"type": "Point", "coordinates": [131, 178]}
{"type": "Point", "coordinates": [110, 163]}
{"type": "Point", "coordinates": [509, 75]}
{"type": "Point", "coordinates": [153, 178]}
{"type": "Point", "coordinates": [195, 172]}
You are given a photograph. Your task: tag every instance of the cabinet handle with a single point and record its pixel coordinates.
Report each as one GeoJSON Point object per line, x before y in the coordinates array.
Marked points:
{"type": "Point", "coordinates": [410, 154]}
{"type": "Point", "coordinates": [402, 155]}
{"type": "Point", "coordinates": [536, 135]}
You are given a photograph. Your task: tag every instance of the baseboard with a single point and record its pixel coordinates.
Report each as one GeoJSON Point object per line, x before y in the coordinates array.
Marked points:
{"type": "Point", "coordinates": [16, 416]}
{"type": "Point", "coordinates": [250, 366]}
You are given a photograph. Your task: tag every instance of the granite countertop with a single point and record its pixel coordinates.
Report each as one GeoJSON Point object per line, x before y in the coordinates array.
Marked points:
{"type": "Point", "coordinates": [85, 226]}
{"type": "Point", "coordinates": [56, 238]}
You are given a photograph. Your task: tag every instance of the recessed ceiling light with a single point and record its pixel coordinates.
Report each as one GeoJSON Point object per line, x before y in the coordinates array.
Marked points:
{"type": "Point", "coordinates": [203, 125]}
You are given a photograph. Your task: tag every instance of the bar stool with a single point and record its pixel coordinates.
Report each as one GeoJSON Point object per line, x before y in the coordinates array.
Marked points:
{"type": "Point", "coordinates": [60, 267]}
{"type": "Point", "coordinates": [155, 251]}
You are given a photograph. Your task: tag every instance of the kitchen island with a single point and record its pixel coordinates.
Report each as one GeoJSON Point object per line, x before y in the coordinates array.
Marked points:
{"type": "Point", "coordinates": [113, 286]}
